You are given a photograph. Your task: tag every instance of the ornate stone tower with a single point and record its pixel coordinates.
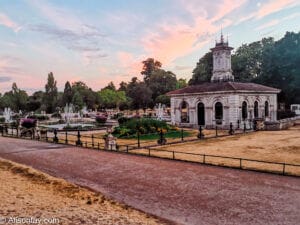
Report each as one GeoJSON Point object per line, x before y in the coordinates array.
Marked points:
{"type": "Point", "coordinates": [222, 62]}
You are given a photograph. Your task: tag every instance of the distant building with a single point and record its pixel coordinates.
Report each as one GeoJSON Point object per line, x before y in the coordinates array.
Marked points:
{"type": "Point", "coordinates": [222, 101]}
{"type": "Point", "coordinates": [296, 109]}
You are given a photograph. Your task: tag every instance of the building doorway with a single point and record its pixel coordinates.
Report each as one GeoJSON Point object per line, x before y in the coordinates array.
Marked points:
{"type": "Point", "coordinates": [219, 113]}
{"type": "Point", "coordinates": [201, 114]}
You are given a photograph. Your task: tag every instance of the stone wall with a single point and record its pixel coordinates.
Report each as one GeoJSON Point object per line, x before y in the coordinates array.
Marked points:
{"type": "Point", "coordinates": [282, 124]}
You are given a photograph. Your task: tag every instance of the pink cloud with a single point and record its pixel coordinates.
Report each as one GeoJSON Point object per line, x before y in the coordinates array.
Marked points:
{"type": "Point", "coordinates": [130, 64]}
{"type": "Point", "coordinates": [275, 6]}
{"type": "Point", "coordinates": [171, 41]}
{"type": "Point", "coordinates": [6, 21]}
{"type": "Point", "coordinates": [267, 25]}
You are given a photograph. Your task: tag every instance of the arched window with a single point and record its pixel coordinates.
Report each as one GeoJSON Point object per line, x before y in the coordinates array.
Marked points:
{"type": "Point", "coordinates": [244, 110]}
{"type": "Point", "coordinates": [266, 109]}
{"type": "Point", "coordinates": [218, 112]}
{"type": "Point", "coordinates": [255, 109]}
{"type": "Point", "coordinates": [184, 112]}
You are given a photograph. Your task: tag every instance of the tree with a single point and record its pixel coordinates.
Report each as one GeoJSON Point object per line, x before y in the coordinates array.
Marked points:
{"type": "Point", "coordinates": [110, 86]}
{"type": "Point", "coordinates": [163, 99]}
{"type": "Point", "coordinates": [203, 71]}
{"type": "Point", "coordinates": [181, 83]}
{"type": "Point", "coordinates": [35, 101]}
{"type": "Point", "coordinates": [50, 97]}
{"type": "Point", "coordinates": [88, 96]}
{"type": "Point", "coordinates": [149, 66]}
{"type": "Point", "coordinates": [111, 99]}
{"type": "Point", "coordinates": [15, 99]}
{"type": "Point", "coordinates": [161, 82]}
{"type": "Point", "coordinates": [123, 86]}
{"type": "Point", "coordinates": [139, 93]}
{"type": "Point", "coordinates": [77, 101]}
{"type": "Point", "coordinates": [68, 94]}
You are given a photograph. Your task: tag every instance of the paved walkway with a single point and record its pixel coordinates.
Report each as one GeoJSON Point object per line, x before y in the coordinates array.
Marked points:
{"type": "Point", "coordinates": [182, 192]}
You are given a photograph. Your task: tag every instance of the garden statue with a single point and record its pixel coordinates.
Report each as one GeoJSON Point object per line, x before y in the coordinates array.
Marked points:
{"type": "Point", "coordinates": [231, 131]}
{"type": "Point", "coordinates": [110, 141]}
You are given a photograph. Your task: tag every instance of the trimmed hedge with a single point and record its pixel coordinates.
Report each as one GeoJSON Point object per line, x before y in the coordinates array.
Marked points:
{"type": "Point", "coordinates": [130, 126]}
{"type": "Point", "coordinates": [101, 119]}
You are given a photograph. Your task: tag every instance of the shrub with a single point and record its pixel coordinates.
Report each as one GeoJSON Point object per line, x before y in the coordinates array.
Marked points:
{"type": "Point", "coordinates": [122, 120]}
{"type": "Point", "coordinates": [117, 116]}
{"type": "Point", "coordinates": [285, 114]}
{"type": "Point", "coordinates": [28, 123]}
{"type": "Point", "coordinates": [130, 126]}
{"type": "Point", "coordinates": [101, 119]}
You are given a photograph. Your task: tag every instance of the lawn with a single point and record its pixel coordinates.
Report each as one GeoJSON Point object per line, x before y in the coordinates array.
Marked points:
{"type": "Point", "coordinates": [273, 146]}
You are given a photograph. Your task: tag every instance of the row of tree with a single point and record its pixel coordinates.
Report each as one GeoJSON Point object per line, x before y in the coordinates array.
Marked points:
{"type": "Point", "coordinates": [132, 95]}
{"type": "Point", "coordinates": [268, 62]}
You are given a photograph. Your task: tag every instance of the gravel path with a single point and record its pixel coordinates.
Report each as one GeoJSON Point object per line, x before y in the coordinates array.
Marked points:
{"type": "Point", "coordinates": [182, 192]}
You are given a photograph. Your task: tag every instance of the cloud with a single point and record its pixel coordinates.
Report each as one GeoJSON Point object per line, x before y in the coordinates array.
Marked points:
{"type": "Point", "coordinates": [5, 79]}
{"type": "Point", "coordinates": [169, 41]}
{"type": "Point", "coordinates": [274, 6]}
{"type": "Point", "coordinates": [70, 31]}
{"type": "Point", "coordinates": [182, 67]}
{"type": "Point", "coordinates": [274, 22]}
{"type": "Point", "coordinates": [7, 22]}
{"type": "Point", "coordinates": [129, 64]}
{"type": "Point", "coordinates": [267, 25]}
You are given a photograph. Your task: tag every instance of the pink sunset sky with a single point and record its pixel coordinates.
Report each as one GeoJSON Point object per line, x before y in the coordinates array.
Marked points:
{"type": "Point", "coordinates": [101, 41]}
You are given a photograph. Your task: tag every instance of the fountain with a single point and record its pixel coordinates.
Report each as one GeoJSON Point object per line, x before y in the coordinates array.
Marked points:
{"type": "Point", "coordinates": [68, 111]}
{"type": "Point", "coordinates": [159, 110]}
{"type": "Point", "coordinates": [84, 111]}
{"type": "Point", "coordinates": [7, 115]}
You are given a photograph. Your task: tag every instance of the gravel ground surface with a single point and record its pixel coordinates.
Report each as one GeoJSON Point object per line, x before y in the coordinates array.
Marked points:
{"type": "Point", "coordinates": [182, 192]}
{"type": "Point", "coordinates": [29, 193]}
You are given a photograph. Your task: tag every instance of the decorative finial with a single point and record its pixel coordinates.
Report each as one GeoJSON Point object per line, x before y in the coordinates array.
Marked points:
{"type": "Point", "coordinates": [222, 38]}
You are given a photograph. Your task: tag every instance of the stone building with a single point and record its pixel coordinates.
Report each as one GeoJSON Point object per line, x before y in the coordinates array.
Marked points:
{"type": "Point", "coordinates": [223, 101]}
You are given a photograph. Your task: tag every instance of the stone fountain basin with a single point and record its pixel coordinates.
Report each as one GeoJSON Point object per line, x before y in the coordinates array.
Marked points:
{"type": "Point", "coordinates": [61, 126]}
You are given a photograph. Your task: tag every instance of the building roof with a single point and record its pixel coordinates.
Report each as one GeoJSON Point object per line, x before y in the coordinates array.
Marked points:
{"type": "Point", "coordinates": [224, 86]}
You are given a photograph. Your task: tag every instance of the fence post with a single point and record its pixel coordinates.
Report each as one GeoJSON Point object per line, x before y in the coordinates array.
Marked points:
{"type": "Point", "coordinates": [138, 136]}
{"type": "Point", "coordinates": [55, 139]}
{"type": "Point", "coordinates": [127, 148]}
{"type": "Point", "coordinates": [204, 159]}
{"type": "Point", "coordinates": [66, 141]}
{"type": "Point", "coordinates": [92, 140]}
{"type": "Point", "coordinates": [240, 163]}
{"type": "Point", "coordinates": [173, 155]}
{"type": "Point", "coordinates": [181, 134]}
{"type": "Point", "coordinates": [78, 142]}
{"type": "Point", "coordinates": [46, 135]}
{"type": "Point", "coordinates": [98, 145]}
{"type": "Point", "coordinates": [216, 131]}
{"type": "Point", "coordinates": [149, 152]}
{"type": "Point", "coordinates": [283, 171]}
{"type": "Point", "coordinates": [244, 127]}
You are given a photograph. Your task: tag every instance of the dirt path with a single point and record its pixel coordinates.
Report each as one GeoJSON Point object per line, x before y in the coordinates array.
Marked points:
{"type": "Point", "coordinates": [182, 192]}
{"type": "Point", "coordinates": [32, 194]}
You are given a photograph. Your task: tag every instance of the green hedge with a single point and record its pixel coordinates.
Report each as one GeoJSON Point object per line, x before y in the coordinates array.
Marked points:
{"type": "Point", "coordinates": [131, 126]}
